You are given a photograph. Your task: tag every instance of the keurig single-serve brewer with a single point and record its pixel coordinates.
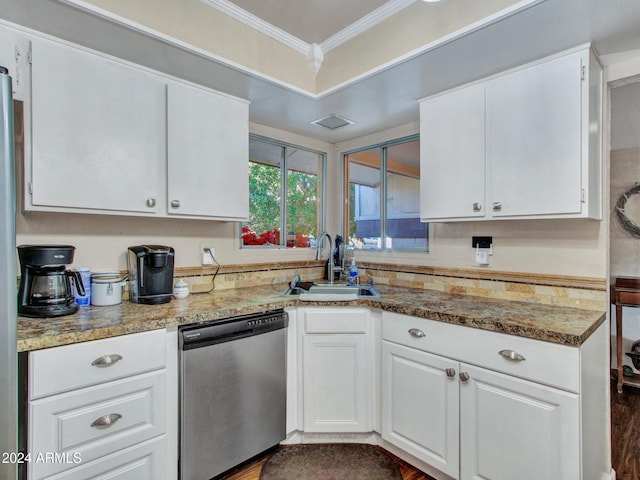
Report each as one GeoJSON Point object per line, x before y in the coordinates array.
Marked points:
{"type": "Point", "coordinates": [150, 273]}
{"type": "Point", "coordinates": [45, 284]}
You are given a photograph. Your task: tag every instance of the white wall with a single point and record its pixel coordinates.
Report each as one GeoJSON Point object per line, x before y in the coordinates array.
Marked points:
{"type": "Point", "coordinates": [622, 71]}
{"type": "Point", "coordinates": [101, 241]}
{"type": "Point", "coordinates": [563, 247]}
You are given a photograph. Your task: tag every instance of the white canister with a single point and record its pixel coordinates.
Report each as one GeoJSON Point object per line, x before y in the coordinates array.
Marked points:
{"type": "Point", "coordinates": [181, 289]}
{"type": "Point", "coordinates": [106, 288]}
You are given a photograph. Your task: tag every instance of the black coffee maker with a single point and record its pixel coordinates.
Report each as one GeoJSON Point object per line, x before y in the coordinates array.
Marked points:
{"type": "Point", "coordinates": [45, 284]}
{"type": "Point", "coordinates": [150, 273]}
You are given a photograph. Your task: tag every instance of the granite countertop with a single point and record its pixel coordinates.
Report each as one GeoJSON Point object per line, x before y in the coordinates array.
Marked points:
{"type": "Point", "coordinates": [562, 325]}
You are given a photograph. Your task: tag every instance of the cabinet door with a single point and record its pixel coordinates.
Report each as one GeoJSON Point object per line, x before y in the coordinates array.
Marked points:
{"type": "Point", "coordinates": [141, 462]}
{"type": "Point", "coordinates": [420, 405]}
{"type": "Point", "coordinates": [534, 139]}
{"type": "Point", "coordinates": [208, 154]}
{"type": "Point", "coordinates": [452, 162]}
{"type": "Point", "coordinates": [95, 362]}
{"type": "Point", "coordinates": [512, 428]}
{"type": "Point", "coordinates": [98, 133]}
{"type": "Point", "coordinates": [14, 50]}
{"type": "Point", "coordinates": [335, 371]}
{"type": "Point", "coordinates": [96, 421]}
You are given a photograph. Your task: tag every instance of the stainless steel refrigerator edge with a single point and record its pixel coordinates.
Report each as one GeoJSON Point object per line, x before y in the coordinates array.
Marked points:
{"type": "Point", "coordinates": [8, 293]}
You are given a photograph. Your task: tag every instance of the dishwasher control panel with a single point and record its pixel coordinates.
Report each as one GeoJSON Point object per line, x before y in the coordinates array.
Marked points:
{"type": "Point", "coordinates": [264, 320]}
{"type": "Point", "coordinates": [227, 329]}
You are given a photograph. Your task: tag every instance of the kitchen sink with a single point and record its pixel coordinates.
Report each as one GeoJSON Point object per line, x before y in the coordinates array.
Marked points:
{"type": "Point", "coordinates": [333, 292]}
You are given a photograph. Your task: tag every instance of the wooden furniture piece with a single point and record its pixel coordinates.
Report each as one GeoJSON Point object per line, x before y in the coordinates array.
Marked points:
{"type": "Point", "coordinates": [625, 292]}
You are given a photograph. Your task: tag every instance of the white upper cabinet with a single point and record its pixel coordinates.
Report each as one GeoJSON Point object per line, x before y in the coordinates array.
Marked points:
{"type": "Point", "coordinates": [113, 138]}
{"type": "Point", "coordinates": [452, 148]}
{"type": "Point", "coordinates": [534, 139]}
{"type": "Point", "coordinates": [208, 153]}
{"type": "Point", "coordinates": [98, 130]}
{"type": "Point", "coordinates": [14, 50]}
{"type": "Point", "coordinates": [524, 144]}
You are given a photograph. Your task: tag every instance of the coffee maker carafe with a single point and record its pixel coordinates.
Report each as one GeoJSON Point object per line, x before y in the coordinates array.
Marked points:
{"type": "Point", "coordinates": [150, 273]}
{"type": "Point", "coordinates": [45, 284]}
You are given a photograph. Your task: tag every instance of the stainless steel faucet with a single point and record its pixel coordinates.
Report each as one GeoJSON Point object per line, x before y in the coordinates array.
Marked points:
{"type": "Point", "coordinates": [319, 247]}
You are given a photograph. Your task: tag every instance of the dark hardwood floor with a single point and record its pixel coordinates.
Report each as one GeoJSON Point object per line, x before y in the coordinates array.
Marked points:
{"type": "Point", "coordinates": [625, 435]}
{"type": "Point", "coordinates": [625, 432]}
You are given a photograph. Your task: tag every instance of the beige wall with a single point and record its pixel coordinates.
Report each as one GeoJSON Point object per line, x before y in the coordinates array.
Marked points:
{"type": "Point", "coordinates": [195, 23]}
{"type": "Point", "coordinates": [413, 28]}
{"type": "Point", "coordinates": [212, 32]}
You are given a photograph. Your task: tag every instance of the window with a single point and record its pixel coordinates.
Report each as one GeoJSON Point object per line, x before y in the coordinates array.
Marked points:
{"type": "Point", "coordinates": [383, 207]}
{"type": "Point", "coordinates": [285, 195]}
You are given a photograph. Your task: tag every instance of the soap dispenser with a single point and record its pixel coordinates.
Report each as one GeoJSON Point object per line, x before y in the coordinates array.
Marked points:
{"type": "Point", "coordinates": [353, 273]}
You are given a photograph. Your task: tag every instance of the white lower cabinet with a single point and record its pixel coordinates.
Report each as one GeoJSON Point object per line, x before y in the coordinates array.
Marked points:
{"type": "Point", "coordinates": [479, 405]}
{"type": "Point", "coordinates": [512, 428]}
{"type": "Point", "coordinates": [420, 405]}
{"type": "Point", "coordinates": [110, 418]}
{"type": "Point", "coordinates": [145, 461]}
{"type": "Point", "coordinates": [336, 370]}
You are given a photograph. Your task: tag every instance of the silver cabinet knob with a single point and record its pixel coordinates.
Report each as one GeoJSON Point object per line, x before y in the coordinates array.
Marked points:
{"type": "Point", "coordinates": [151, 202]}
{"type": "Point", "coordinates": [415, 332]}
{"type": "Point", "coordinates": [106, 420]}
{"type": "Point", "coordinates": [477, 207]}
{"type": "Point", "coordinates": [175, 203]}
{"type": "Point", "coordinates": [451, 372]}
{"type": "Point", "coordinates": [497, 206]}
{"type": "Point", "coordinates": [106, 360]}
{"type": "Point", "coordinates": [511, 355]}
{"type": "Point", "coordinates": [464, 377]}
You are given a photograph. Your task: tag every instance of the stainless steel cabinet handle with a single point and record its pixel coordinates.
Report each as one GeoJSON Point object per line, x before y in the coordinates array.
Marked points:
{"type": "Point", "coordinates": [151, 202]}
{"type": "Point", "coordinates": [414, 332]}
{"type": "Point", "coordinates": [497, 206]}
{"type": "Point", "coordinates": [106, 360]}
{"type": "Point", "coordinates": [511, 355]}
{"type": "Point", "coordinates": [175, 203]}
{"type": "Point", "coordinates": [106, 420]}
{"type": "Point", "coordinates": [477, 207]}
{"type": "Point", "coordinates": [451, 372]}
{"type": "Point", "coordinates": [464, 377]}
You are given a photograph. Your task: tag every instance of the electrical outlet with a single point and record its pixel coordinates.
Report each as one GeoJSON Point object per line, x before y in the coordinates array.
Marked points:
{"type": "Point", "coordinates": [207, 254]}
{"type": "Point", "coordinates": [481, 242]}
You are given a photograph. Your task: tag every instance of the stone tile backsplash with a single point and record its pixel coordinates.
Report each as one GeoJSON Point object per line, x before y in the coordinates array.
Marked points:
{"type": "Point", "coordinates": [564, 291]}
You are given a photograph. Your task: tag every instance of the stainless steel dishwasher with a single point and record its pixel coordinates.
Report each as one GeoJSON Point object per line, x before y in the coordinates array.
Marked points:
{"type": "Point", "coordinates": [233, 392]}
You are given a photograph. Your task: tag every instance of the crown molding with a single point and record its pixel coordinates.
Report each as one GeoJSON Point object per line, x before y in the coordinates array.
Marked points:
{"type": "Point", "coordinates": [365, 23]}
{"type": "Point", "coordinates": [258, 24]}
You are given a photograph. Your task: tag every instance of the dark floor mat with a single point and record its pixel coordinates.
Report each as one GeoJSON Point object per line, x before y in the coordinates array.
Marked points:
{"type": "Point", "coordinates": [330, 461]}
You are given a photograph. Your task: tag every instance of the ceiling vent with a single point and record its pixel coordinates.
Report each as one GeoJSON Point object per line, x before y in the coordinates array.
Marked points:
{"type": "Point", "coordinates": [333, 121]}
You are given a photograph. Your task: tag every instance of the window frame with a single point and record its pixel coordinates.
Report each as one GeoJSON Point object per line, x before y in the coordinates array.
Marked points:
{"type": "Point", "coordinates": [283, 192]}
{"type": "Point", "coordinates": [344, 211]}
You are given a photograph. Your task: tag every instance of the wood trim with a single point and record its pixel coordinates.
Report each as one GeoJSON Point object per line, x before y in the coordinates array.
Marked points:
{"type": "Point", "coordinates": [248, 267]}
{"type": "Point", "coordinates": [567, 281]}
{"type": "Point", "coordinates": [394, 166]}
{"type": "Point", "coordinates": [589, 283]}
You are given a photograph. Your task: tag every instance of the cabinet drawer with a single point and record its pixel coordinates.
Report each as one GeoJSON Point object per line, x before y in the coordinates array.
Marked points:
{"type": "Point", "coordinates": [65, 368]}
{"type": "Point", "coordinates": [335, 320]}
{"type": "Point", "coordinates": [75, 423]}
{"type": "Point", "coordinates": [544, 362]}
{"type": "Point", "coordinates": [142, 462]}
{"type": "Point", "coordinates": [629, 298]}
